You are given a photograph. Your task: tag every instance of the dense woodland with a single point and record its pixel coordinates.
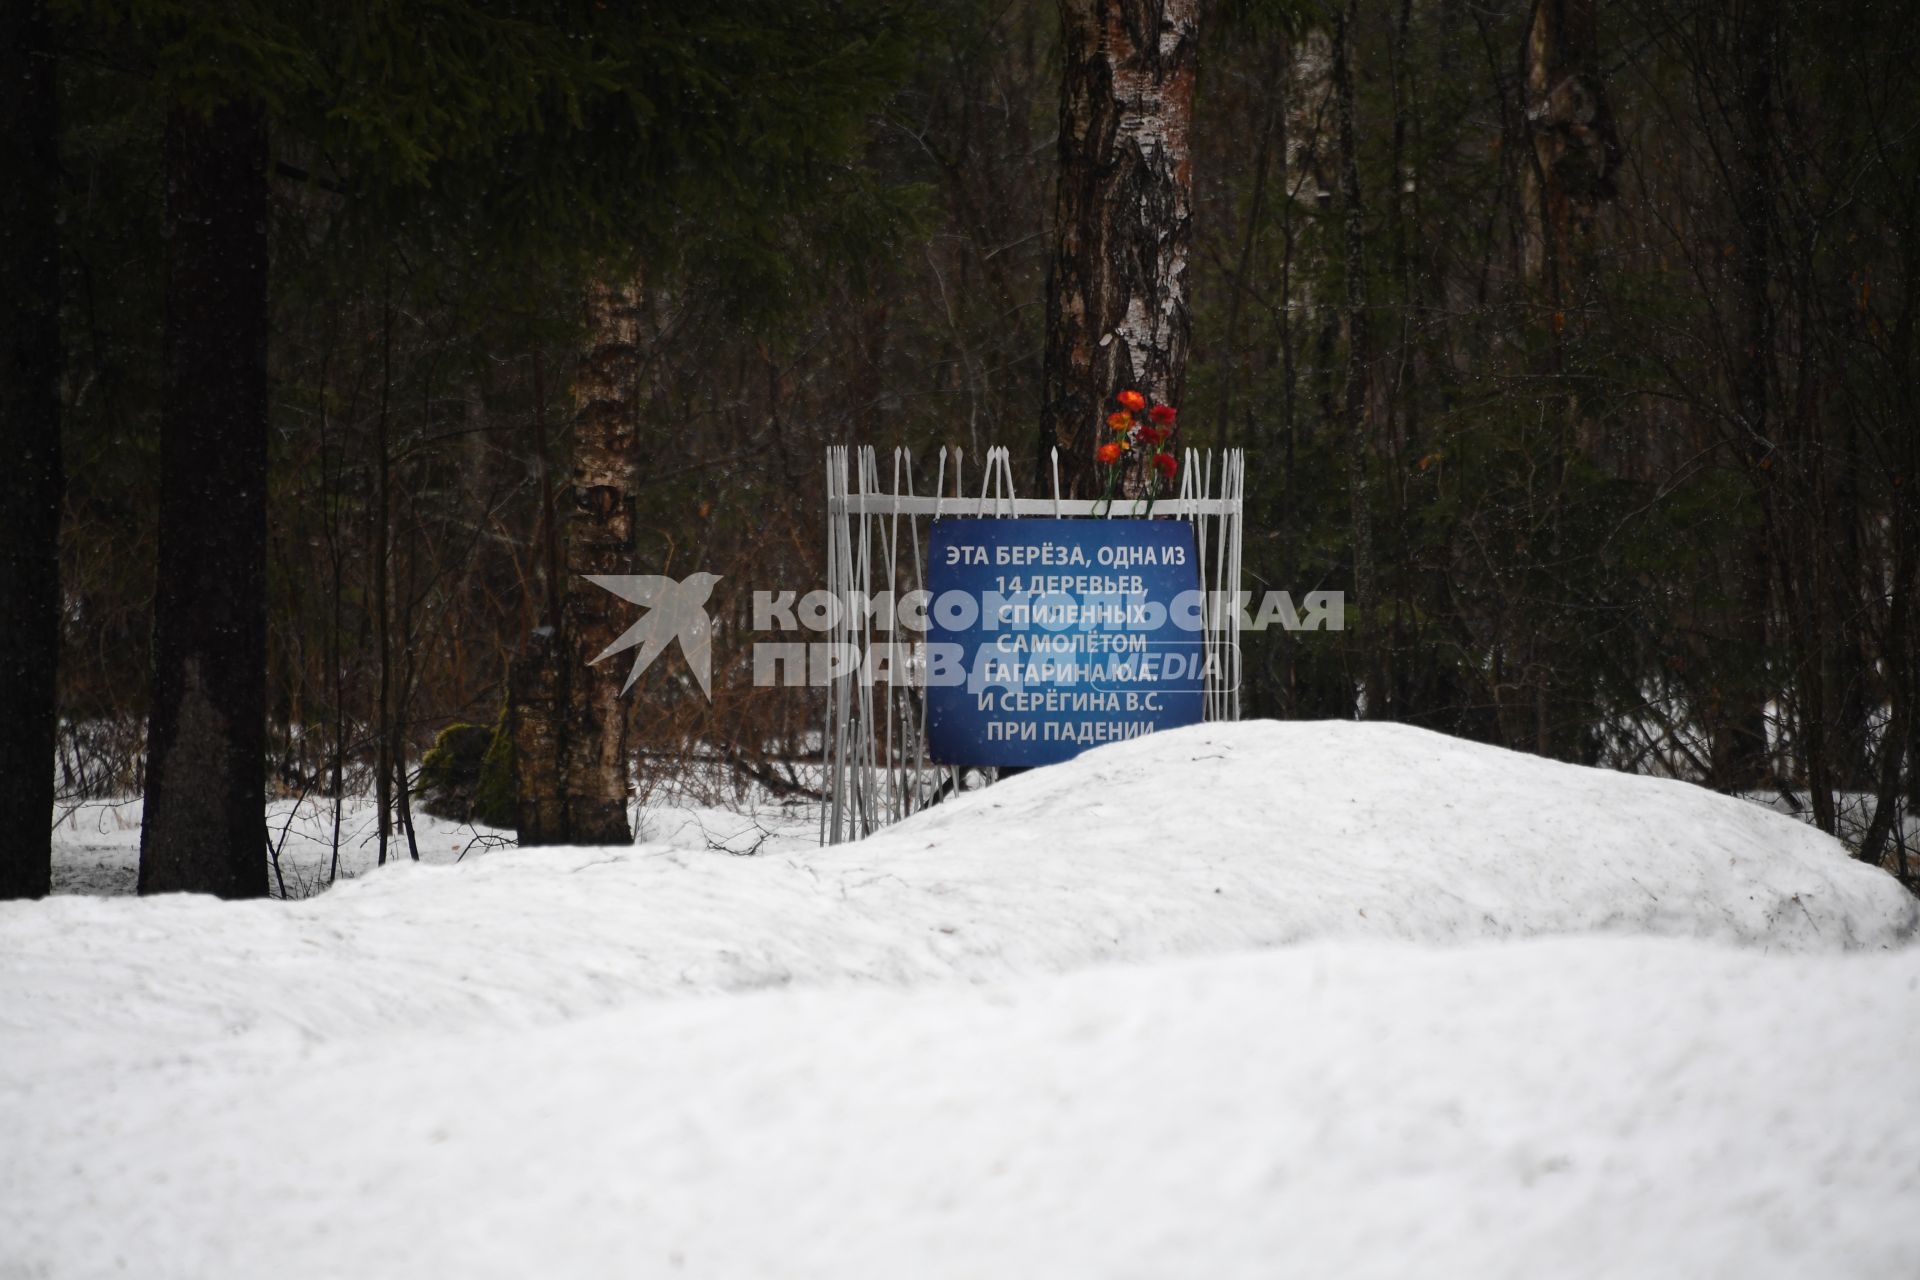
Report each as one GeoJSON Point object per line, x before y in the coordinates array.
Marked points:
{"type": "Point", "coordinates": [1575, 343]}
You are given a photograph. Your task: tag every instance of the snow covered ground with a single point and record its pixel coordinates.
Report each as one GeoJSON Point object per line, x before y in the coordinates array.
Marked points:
{"type": "Point", "coordinates": [1240, 1000]}
{"type": "Point", "coordinates": [97, 842]}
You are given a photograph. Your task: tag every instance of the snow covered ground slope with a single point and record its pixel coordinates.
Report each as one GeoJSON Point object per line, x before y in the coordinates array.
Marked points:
{"type": "Point", "coordinates": [1199, 841]}
{"type": "Point", "coordinates": [1631, 1108]}
{"type": "Point", "coordinates": [1053, 1027]}
{"type": "Point", "coordinates": [1385, 830]}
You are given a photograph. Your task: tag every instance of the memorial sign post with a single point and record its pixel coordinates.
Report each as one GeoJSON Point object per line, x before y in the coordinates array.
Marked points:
{"type": "Point", "coordinates": [1060, 634]}
{"type": "Point", "coordinates": [1085, 625]}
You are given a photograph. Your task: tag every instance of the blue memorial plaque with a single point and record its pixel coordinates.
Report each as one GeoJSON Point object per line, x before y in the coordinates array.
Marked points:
{"type": "Point", "coordinates": [1046, 637]}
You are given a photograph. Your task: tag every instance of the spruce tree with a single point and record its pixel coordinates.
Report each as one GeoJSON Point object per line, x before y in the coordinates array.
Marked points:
{"type": "Point", "coordinates": [30, 433]}
{"type": "Point", "coordinates": [591, 135]}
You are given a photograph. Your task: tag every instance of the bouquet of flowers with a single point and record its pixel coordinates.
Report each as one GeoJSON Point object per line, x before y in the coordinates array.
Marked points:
{"type": "Point", "coordinates": [1139, 445]}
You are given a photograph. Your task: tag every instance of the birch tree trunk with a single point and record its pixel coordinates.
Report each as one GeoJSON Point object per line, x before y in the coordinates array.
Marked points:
{"type": "Point", "coordinates": [205, 825]}
{"type": "Point", "coordinates": [569, 722]}
{"type": "Point", "coordinates": [30, 425]}
{"type": "Point", "coordinates": [1117, 314]}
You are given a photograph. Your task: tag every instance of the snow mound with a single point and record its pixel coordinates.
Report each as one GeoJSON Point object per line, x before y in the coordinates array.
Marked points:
{"type": "Point", "coordinates": [204, 1089]}
{"type": "Point", "coordinates": [1385, 830]}
{"type": "Point", "coordinates": [1570, 1108]}
{"type": "Point", "coordinates": [1202, 841]}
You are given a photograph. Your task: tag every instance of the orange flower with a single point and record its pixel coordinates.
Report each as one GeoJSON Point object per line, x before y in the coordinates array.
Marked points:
{"type": "Point", "coordinates": [1166, 463]}
{"type": "Point", "coordinates": [1107, 454]}
{"type": "Point", "coordinates": [1132, 400]}
{"type": "Point", "coordinates": [1120, 421]}
{"type": "Point", "coordinates": [1162, 414]}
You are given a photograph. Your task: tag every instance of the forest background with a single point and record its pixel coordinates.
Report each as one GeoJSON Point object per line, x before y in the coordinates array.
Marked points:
{"type": "Point", "coordinates": [1574, 343]}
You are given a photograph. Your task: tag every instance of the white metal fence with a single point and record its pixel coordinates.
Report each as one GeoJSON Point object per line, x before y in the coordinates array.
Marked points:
{"type": "Point", "coordinates": [876, 766]}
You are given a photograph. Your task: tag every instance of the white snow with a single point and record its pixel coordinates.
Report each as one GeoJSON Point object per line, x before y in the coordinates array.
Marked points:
{"type": "Point", "coordinates": [97, 843]}
{"type": "Point", "coordinates": [1261, 999]}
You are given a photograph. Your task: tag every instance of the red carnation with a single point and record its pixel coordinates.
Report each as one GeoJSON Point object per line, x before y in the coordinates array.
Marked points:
{"type": "Point", "coordinates": [1167, 465]}
{"type": "Point", "coordinates": [1162, 414]}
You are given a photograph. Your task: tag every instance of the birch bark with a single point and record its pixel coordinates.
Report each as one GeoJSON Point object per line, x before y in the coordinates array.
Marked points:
{"type": "Point", "coordinates": [1117, 313]}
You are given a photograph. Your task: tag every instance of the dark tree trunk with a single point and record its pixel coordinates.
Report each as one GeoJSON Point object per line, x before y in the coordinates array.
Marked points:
{"type": "Point", "coordinates": [1576, 149]}
{"type": "Point", "coordinates": [206, 732]}
{"type": "Point", "coordinates": [1892, 752]}
{"type": "Point", "coordinates": [569, 723]}
{"type": "Point", "coordinates": [1359, 401]}
{"type": "Point", "coordinates": [1566, 178]}
{"type": "Point", "coordinates": [30, 428]}
{"type": "Point", "coordinates": [1117, 313]}
{"type": "Point", "coordinates": [1739, 727]}
{"type": "Point", "coordinates": [382, 593]}
{"type": "Point", "coordinates": [1272, 126]}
